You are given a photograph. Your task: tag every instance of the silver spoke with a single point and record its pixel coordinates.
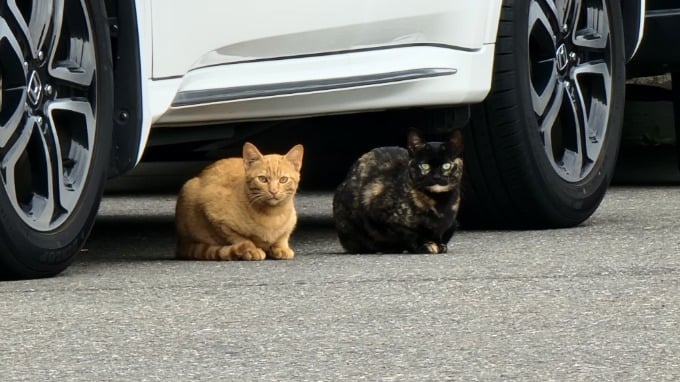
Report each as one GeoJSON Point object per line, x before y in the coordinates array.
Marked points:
{"type": "Point", "coordinates": [559, 11]}
{"type": "Point", "coordinates": [595, 103]}
{"type": "Point", "coordinates": [36, 208]}
{"type": "Point", "coordinates": [11, 157]}
{"type": "Point", "coordinates": [44, 206]}
{"type": "Point", "coordinates": [541, 102]}
{"type": "Point", "coordinates": [79, 136]}
{"type": "Point", "coordinates": [76, 67]}
{"type": "Point", "coordinates": [36, 28]}
{"type": "Point", "coordinates": [570, 56]}
{"type": "Point", "coordinates": [550, 114]}
{"type": "Point", "coordinates": [569, 13]}
{"type": "Point", "coordinates": [543, 85]}
{"type": "Point", "coordinates": [572, 163]}
{"type": "Point", "coordinates": [538, 16]}
{"type": "Point", "coordinates": [550, 5]}
{"type": "Point", "coordinates": [591, 27]}
{"type": "Point", "coordinates": [47, 108]}
{"type": "Point", "coordinates": [12, 90]}
{"type": "Point", "coordinates": [23, 26]}
{"type": "Point", "coordinates": [54, 168]}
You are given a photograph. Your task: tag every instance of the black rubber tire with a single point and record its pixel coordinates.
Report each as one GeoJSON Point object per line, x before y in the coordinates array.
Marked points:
{"type": "Point", "coordinates": [509, 181]}
{"type": "Point", "coordinates": [29, 253]}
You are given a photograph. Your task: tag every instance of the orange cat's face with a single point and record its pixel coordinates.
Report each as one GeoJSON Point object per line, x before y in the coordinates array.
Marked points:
{"type": "Point", "coordinates": [272, 179]}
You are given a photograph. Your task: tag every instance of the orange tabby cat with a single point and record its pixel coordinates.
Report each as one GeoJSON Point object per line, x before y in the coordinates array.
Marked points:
{"type": "Point", "coordinates": [240, 208]}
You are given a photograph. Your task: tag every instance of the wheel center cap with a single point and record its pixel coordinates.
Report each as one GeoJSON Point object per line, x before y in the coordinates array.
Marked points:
{"type": "Point", "coordinates": [561, 57]}
{"type": "Point", "coordinates": [34, 89]}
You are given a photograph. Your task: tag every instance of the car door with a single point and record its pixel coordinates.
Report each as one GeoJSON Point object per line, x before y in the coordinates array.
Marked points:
{"type": "Point", "coordinates": [193, 34]}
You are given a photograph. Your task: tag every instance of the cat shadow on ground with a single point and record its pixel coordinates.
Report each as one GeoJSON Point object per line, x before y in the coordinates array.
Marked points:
{"type": "Point", "coordinates": [315, 222]}
{"type": "Point", "coordinates": [129, 238]}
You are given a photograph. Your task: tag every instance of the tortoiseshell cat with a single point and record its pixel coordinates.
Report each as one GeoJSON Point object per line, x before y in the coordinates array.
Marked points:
{"type": "Point", "coordinates": [240, 208]}
{"type": "Point", "coordinates": [396, 200]}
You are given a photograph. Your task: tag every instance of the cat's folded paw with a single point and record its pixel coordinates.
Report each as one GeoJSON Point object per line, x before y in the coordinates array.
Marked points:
{"type": "Point", "coordinates": [433, 248]}
{"type": "Point", "coordinates": [280, 253]}
{"type": "Point", "coordinates": [248, 251]}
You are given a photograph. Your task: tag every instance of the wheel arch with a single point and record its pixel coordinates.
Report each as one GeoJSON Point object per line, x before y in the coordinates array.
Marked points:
{"type": "Point", "coordinates": [128, 109]}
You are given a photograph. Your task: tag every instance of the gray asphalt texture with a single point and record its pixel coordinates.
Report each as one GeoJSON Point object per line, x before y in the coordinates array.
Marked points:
{"type": "Point", "coordinates": [596, 302]}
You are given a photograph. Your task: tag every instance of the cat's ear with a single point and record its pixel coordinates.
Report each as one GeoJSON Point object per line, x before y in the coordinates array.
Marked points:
{"type": "Point", "coordinates": [415, 141]}
{"type": "Point", "coordinates": [456, 141]}
{"type": "Point", "coordinates": [294, 156]}
{"type": "Point", "coordinates": [250, 154]}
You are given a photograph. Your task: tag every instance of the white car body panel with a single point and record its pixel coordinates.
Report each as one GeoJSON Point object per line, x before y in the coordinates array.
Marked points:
{"type": "Point", "coordinates": [226, 45]}
{"type": "Point", "coordinates": [235, 31]}
{"type": "Point", "coordinates": [149, 103]}
{"type": "Point", "coordinates": [220, 61]}
{"type": "Point", "coordinates": [446, 84]}
{"type": "Point", "coordinates": [641, 28]}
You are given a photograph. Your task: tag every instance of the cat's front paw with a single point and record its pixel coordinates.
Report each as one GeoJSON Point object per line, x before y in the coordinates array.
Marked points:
{"type": "Point", "coordinates": [433, 248]}
{"type": "Point", "coordinates": [280, 253]}
{"type": "Point", "coordinates": [248, 251]}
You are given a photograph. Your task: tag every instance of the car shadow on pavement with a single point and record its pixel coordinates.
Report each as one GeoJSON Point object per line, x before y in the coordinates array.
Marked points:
{"type": "Point", "coordinates": [131, 238]}
{"type": "Point", "coordinates": [126, 238]}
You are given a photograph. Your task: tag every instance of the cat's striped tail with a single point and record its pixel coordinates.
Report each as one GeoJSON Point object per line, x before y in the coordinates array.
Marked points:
{"type": "Point", "coordinates": [245, 250]}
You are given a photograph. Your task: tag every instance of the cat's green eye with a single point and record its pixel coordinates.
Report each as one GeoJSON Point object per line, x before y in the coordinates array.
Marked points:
{"type": "Point", "coordinates": [424, 167]}
{"type": "Point", "coordinates": [263, 179]}
{"type": "Point", "coordinates": [447, 166]}
{"type": "Point", "coordinates": [283, 179]}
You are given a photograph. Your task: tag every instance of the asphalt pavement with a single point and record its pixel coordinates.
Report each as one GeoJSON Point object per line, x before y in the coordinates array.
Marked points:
{"type": "Point", "coordinates": [596, 302]}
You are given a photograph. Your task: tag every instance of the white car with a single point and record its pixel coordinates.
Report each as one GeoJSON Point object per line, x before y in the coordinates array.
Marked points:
{"type": "Point", "coordinates": [538, 85]}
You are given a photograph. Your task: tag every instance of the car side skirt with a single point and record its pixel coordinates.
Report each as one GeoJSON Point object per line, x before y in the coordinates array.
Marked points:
{"type": "Point", "coordinates": [405, 76]}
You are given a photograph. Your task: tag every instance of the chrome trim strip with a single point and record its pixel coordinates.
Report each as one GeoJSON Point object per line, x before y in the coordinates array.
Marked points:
{"type": "Point", "coordinates": [197, 97]}
{"type": "Point", "coordinates": [663, 12]}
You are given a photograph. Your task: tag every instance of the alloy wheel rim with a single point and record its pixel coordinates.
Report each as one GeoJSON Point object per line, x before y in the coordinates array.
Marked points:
{"type": "Point", "coordinates": [571, 78]}
{"type": "Point", "coordinates": [48, 100]}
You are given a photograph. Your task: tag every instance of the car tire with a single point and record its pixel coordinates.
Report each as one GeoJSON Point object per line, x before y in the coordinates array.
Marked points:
{"type": "Point", "coordinates": [56, 106]}
{"type": "Point", "coordinates": [541, 149]}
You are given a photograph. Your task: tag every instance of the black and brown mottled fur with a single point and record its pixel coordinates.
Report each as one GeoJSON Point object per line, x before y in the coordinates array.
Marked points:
{"type": "Point", "coordinates": [396, 200]}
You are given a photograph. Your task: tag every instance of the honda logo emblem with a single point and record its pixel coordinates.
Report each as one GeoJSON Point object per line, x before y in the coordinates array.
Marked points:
{"type": "Point", "coordinates": [561, 58]}
{"type": "Point", "coordinates": [34, 89]}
